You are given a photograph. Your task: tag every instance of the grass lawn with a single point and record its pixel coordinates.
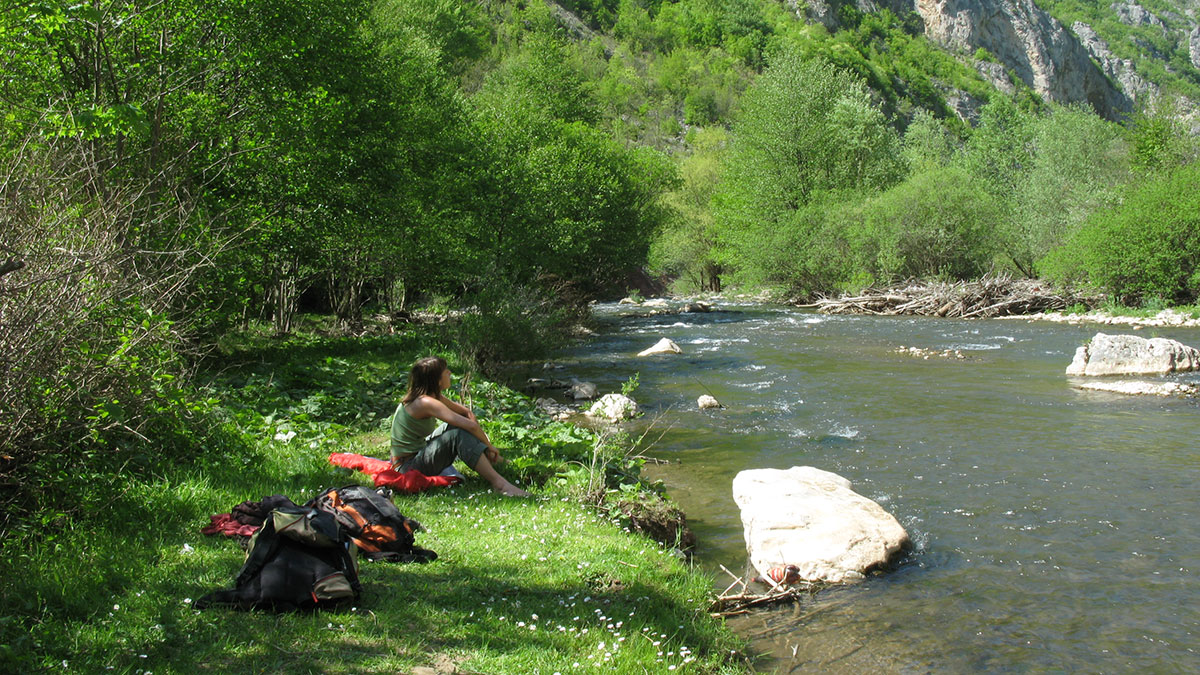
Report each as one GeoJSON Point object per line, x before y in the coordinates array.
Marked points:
{"type": "Point", "coordinates": [539, 585]}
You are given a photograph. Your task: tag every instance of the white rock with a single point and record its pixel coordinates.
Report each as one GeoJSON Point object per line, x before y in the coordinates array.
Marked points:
{"type": "Point", "coordinates": [1132, 355]}
{"type": "Point", "coordinates": [614, 407]}
{"type": "Point", "coordinates": [810, 518]}
{"type": "Point", "coordinates": [663, 346]}
{"type": "Point", "coordinates": [655, 302]}
{"type": "Point", "coordinates": [707, 401]}
{"type": "Point", "coordinates": [1142, 387]}
{"type": "Point", "coordinates": [627, 301]}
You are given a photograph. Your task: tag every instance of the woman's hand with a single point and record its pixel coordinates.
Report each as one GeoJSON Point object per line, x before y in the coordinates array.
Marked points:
{"type": "Point", "coordinates": [493, 455]}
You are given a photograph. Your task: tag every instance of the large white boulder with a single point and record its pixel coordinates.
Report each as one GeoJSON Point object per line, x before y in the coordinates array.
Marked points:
{"type": "Point", "coordinates": [1132, 355]}
{"type": "Point", "coordinates": [614, 407]}
{"type": "Point", "coordinates": [810, 518]}
{"type": "Point", "coordinates": [663, 346]}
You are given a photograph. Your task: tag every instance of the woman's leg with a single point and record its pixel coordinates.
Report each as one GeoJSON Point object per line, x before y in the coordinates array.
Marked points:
{"type": "Point", "coordinates": [445, 445]}
{"type": "Point", "coordinates": [484, 468]}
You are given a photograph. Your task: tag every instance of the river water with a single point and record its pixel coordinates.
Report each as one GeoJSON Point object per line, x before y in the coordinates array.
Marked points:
{"type": "Point", "coordinates": [1054, 529]}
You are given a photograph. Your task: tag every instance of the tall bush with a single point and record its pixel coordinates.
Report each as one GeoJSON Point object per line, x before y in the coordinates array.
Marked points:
{"type": "Point", "coordinates": [1146, 247]}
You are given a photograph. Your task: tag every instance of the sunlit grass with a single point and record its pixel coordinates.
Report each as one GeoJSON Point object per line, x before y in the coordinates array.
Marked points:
{"type": "Point", "coordinates": [534, 586]}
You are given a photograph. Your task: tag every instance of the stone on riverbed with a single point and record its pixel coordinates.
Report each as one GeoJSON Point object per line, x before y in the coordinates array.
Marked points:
{"type": "Point", "coordinates": [707, 401]}
{"type": "Point", "coordinates": [810, 518]}
{"type": "Point", "coordinates": [1142, 387]}
{"type": "Point", "coordinates": [1132, 355]}
{"type": "Point", "coordinates": [582, 390]}
{"type": "Point", "coordinates": [614, 408]}
{"type": "Point", "coordinates": [663, 346]}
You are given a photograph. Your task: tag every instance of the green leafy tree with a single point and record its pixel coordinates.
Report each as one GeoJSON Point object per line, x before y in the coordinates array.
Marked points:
{"type": "Point", "coordinates": [1147, 247]}
{"type": "Point", "coordinates": [807, 130]}
{"type": "Point", "coordinates": [1079, 162]}
{"type": "Point", "coordinates": [937, 223]}
{"type": "Point", "coordinates": [687, 246]}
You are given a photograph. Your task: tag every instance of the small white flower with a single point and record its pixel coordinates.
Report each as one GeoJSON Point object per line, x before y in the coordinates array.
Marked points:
{"type": "Point", "coordinates": [187, 601]}
{"type": "Point", "coordinates": [116, 607]}
{"type": "Point", "coordinates": [187, 548]}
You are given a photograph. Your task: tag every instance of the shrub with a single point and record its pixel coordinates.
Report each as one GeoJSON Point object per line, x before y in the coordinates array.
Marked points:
{"type": "Point", "coordinates": [937, 223]}
{"type": "Point", "coordinates": [1148, 246]}
{"type": "Point", "coordinates": [508, 322]}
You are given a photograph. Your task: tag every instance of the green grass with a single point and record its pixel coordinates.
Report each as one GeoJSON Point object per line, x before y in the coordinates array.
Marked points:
{"type": "Point", "coordinates": [533, 586]}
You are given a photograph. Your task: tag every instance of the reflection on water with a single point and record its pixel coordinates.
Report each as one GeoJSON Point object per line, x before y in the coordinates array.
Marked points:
{"type": "Point", "coordinates": [1055, 529]}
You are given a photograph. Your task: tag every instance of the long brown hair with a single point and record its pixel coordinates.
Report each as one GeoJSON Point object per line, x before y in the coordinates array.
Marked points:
{"type": "Point", "coordinates": [425, 379]}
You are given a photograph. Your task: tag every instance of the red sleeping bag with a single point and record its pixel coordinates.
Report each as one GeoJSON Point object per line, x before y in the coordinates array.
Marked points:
{"type": "Point", "coordinates": [385, 476]}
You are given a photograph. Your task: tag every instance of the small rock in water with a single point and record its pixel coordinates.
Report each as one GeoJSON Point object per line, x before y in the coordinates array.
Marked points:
{"type": "Point", "coordinates": [707, 401]}
{"type": "Point", "coordinates": [663, 346]}
{"type": "Point", "coordinates": [582, 390]}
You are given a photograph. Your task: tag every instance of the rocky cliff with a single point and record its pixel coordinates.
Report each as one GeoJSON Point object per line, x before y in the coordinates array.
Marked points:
{"type": "Point", "coordinates": [1078, 64]}
{"type": "Point", "coordinates": [1029, 42]}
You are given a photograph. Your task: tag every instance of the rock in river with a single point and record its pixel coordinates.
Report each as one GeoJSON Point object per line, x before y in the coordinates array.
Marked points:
{"type": "Point", "coordinates": [614, 407]}
{"type": "Point", "coordinates": [1143, 388]}
{"type": "Point", "coordinates": [706, 401]}
{"type": "Point", "coordinates": [663, 346]}
{"type": "Point", "coordinates": [1132, 355]}
{"type": "Point", "coordinates": [810, 518]}
{"type": "Point", "coordinates": [582, 390]}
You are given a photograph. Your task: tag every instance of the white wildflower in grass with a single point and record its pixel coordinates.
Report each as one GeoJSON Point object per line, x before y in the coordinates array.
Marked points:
{"type": "Point", "coordinates": [116, 607]}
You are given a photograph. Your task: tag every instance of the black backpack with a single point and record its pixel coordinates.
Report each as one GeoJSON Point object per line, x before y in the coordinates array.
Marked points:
{"type": "Point", "coordinates": [300, 559]}
{"type": "Point", "coordinates": [374, 524]}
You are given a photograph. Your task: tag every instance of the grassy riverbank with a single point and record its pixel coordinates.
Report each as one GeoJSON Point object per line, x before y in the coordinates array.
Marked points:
{"type": "Point", "coordinates": [549, 584]}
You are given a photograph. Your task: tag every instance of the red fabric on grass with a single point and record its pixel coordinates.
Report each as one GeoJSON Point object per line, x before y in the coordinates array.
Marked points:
{"type": "Point", "coordinates": [223, 523]}
{"type": "Point", "coordinates": [385, 476]}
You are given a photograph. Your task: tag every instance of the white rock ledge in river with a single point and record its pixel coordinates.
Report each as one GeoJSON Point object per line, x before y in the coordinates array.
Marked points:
{"type": "Point", "coordinates": [614, 408]}
{"type": "Point", "coordinates": [1132, 355]}
{"type": "Point", "coordinates": [810, 518]}
{"type": "Point", "coordinates": [663, 346]}
{"type": "Point", "coordinates": [1141, 387]}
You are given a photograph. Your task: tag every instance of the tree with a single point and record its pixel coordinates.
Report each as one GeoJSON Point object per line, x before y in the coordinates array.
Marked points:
{"type": "Point", "coordinates": [686, 247]}
{"type": "Point", "coordinates": [806, 130]}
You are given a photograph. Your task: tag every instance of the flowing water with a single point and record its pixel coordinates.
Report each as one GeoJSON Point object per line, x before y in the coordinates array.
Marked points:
{"type": "Point", "coordinates": [1054, 529]}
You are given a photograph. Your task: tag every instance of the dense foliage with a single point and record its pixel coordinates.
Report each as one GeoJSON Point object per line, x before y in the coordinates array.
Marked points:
{"type": "Point", "coordinates": [171, 172]}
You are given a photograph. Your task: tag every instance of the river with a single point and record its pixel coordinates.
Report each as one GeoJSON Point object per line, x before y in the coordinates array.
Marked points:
{"type": "Point", "coordinates": [1054, 529]}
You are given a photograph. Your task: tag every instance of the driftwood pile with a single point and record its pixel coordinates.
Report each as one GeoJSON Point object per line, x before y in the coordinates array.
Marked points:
{"type": "Point", "coordinates": [738, 598]}
{"type": "Point", "coordinates": [987, 298]}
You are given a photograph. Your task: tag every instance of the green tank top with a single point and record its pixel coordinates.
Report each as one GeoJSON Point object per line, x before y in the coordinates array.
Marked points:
{"type": "Point", "coordinates": [408, 432]}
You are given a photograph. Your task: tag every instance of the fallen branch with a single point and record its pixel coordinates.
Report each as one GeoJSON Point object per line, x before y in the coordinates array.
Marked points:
{"type": "Point", "coordinates": [744, 600]}
{"type": "Point", "coordinates": [987, 298]}
{"type": "Point", "coordinates": [11, 266]}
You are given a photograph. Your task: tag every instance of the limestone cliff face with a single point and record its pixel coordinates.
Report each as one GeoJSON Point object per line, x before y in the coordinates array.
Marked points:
{"type": "Point", "coordinates": [1036, 47]}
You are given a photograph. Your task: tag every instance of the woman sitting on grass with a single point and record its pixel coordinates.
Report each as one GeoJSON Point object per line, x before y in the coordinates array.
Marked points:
{"type": "Point", "coordinates": [418, 442]}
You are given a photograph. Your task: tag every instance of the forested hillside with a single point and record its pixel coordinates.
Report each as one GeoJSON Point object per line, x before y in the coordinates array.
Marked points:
{"type": "Point", "coordinates": [174, 171]}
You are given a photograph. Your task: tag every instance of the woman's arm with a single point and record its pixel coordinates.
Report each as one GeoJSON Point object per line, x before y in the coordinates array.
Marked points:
{"type": "Point", "coordinates": [428, 406]}
{"type": "Point", "coordinates": [456, 407]}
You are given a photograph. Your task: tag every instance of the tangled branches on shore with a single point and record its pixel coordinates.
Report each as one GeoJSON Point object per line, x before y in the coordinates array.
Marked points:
{"type": "Point", "coordinates": [731, 602]}
{"type": "Point", "coordinates": [987, 298]}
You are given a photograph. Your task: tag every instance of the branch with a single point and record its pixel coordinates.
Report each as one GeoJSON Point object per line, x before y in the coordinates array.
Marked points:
{"type": "Point", "coordinates": [11, 266]}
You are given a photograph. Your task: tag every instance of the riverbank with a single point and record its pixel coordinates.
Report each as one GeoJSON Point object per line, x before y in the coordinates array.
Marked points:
{"type": "Point", "coordinates": [548, 584]}
{"type": "Point", "coordinates": [1174, 318]}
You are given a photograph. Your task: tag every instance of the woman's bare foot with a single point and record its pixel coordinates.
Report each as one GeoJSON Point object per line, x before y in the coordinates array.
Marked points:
{"type": "Point", "coordinates": [510, 490]}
